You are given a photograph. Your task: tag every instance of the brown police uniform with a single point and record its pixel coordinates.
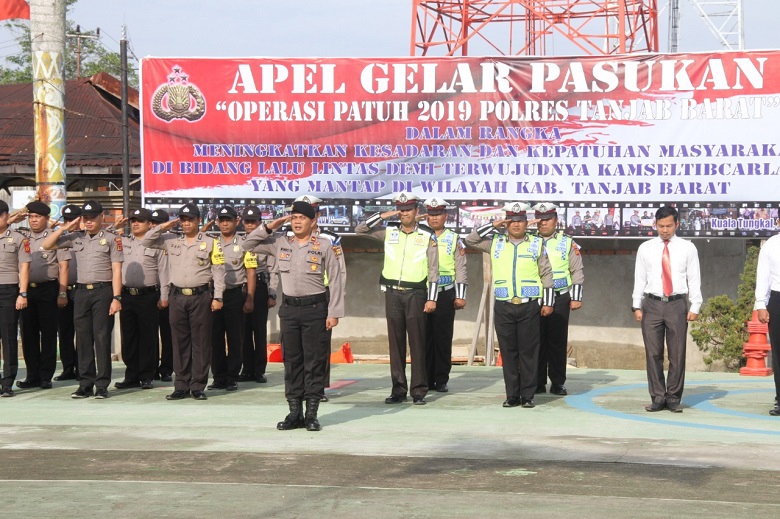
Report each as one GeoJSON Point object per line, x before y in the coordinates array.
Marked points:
{"type": "Point", "coordinates": [14, 250]}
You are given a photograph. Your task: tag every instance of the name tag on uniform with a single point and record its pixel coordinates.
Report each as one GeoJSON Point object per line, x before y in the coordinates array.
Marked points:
{"type": "Point", "coordinates": [394, 237]}
{"type": "Point", "coordinates": [236, 248]}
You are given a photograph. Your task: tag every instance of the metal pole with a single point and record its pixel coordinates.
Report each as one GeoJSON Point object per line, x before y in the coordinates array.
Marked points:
{"type": "Point", "coordinates": [125, 141]}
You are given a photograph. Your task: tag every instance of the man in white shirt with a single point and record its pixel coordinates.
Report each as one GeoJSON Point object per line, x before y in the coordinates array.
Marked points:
{"type": "Point", "coordinates": [768, 303]}
{"type": "Point", "coordinates": [667, 270]}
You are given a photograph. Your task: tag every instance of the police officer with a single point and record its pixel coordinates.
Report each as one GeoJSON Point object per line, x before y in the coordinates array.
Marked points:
{"type": "Point", "coordinates": [195, 262]}
{"type": "Point", "coordinates": [65, 330]}
{"type": "Point", "coordinates": [98, 294]}
{"type": "Point", "coordinates": [568, 277]}
{"type": "Point", "coordinates": [165, 366]}
{"type": "Point", "coordinates": [305, 313]}
{"type": "Point", "coordinates": [239, 299]}
{"type": "Point", "coordinates": [145, 285]}
{"type": "Point", "coordinates": [255, 352]}
{"type": "Point", "coordinates": [47, 289]}
{"type": "Point", "coordinates": [522, 281]}
{"type": "Point", "coordinates": [411, 261]}
{"type": "Point", "coordinates": [452, 295]}
{"type": "Point", "coordinates": [14, 278]}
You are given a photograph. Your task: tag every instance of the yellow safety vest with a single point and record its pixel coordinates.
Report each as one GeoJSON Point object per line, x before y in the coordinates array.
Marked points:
{"type": "Point", "coordinates": [557, 247]}
{"type": "Point", "coordinates": [406, 256]}
{"type": "Point", "coordinates": [515, 267]}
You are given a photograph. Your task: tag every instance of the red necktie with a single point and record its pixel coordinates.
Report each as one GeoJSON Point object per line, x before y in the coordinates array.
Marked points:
{"type": "Point", "coordinates": [666, 270]}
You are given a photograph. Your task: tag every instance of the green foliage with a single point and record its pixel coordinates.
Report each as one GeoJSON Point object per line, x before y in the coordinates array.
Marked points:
{"type": "Point", "coordinates": [720, 330]}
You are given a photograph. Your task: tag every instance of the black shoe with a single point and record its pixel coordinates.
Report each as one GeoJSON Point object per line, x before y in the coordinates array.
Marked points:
{"type": "Point", "coordinates": [655, 407]}
{"type": "Point", "coordinates": [542, 389]}
{"type": "Point", "coordinates": [147, 384]}
{"type": "Point", "coordinates": [324, 398]}
{"type": "Point", "coordinates": [127, 384]}
{"type": "Point", "coordinates": [442, 388]}
{"type": "Point", "coordinates": [166, 378]}
{"type": "Point", "coordinates": [419, 400]}
{"type": "Point", "coordinates": [46, 384]}
{"type": "Point", "coordinates": [82, 392]}
{"type": "Point", "coordinates": [261, 379]}
{"type": "Point", "coordinates": [66, 375]}
{"type": "Point", "coordinates": [674, 407]}
{"type": "Point", "coordinates": [6, 392]}
{"type": "Point", "coordinates": [231, 386]}
{"type": "Point", "coordinates": [179, 394]}
{"type": "Point", "coordinates": [776, 410]}
{"type": "Point", "coordinates": [512, 401]}
{"type": "Point", "coordinates": [528, 404]}
{"type": "Point", "coordinates": [199, 395]}
{"type": "Point", "coordinates": [244, 377]}
{"type": "Point", "coordinates": [294, 420]}
{"type": "Point", "coordinates": [217, 385]}
{"type": "Point", "coordinates": [27, 384]}
{"type": "Point", "coordinates": [558, 390]}
{"type": "Point", "coordinates": [101, 393]}
{"type": "Point", "coordinates": [395, 399]}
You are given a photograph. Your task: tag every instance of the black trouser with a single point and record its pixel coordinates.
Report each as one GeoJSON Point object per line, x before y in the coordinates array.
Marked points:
{"type": "Point", "coordinates": [773, 307]}
{"type": "Point", "coordinates": [191, 332]}
{"type": "Point", "coordinates": [138, 322]}
{"type": "Point", "coordinates": [553, 343]}
{"type": "Point", "coordinates": [517, 327]}
{"type": "Point", "coordinates": [166, 343]}
{"type": "Point", "coordinates": [93, 335]}
{"type": "Point", "coordinates": [39, 331]}
{"type": "Point", "coordinates": [9, 321]}
{"type": "Point", "coordinates": [228, 323]}
{"type": "Point", "coordinates": [669, 320]}
{"type": "Point", "coordinates": [404, 311]}
{"type": "Point", "coordinates": [66, 332]}
{"type": "Point", "coordinates": [305, 356]}
{"type": "Point", "coordinates": [255, 355]}
{"type": "Point", "coordinates": [438, 334]}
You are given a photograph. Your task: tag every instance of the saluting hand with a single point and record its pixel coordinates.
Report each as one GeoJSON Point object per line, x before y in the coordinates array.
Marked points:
{"type": "Point", "coordinates": [72, 225]}
{"type": "Point", "coordinates": [277, 224]}
{"type": "Point", "coordinates": [17, 216]}
{"type": "Point", "coordinates": [389, 214]}
{"type": "Point", "coordinates": [170, 224]}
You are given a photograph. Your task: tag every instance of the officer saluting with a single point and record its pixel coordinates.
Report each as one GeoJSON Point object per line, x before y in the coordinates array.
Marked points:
{"type": "Point", "coordinates": [305, 313]}
{"type": "Point", "coordinates": [194, 261]}
{"type": "Point", "coordinates": [410, 281]}
{"type": "Point", "coordinates": [47, 288]}
{"type": "Point", "coordinates": [65, 330]}
{"type": "Point", "coordinates": [165, 367]}
{"type": "Point", "coordinates": [522, 280]}
{"type": "Point", "coordinates": [14, 276]}
{"type": "Point", "coordinates": [452, 295]}
{"type": "Point", "coordinates": [568, 277]}
{"type": "Point", "coordinates": [145, 286]}
{"type": "Point", "coordinates": [98, 294]}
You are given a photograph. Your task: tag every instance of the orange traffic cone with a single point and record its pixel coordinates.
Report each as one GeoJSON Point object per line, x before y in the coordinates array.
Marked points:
{"type": "Point", "coordinates": [756, 348]}
{"type": "Point", "coordinates": [274, 353]}
{"type": "Point", "coordinates": [342, 356]}
{"type": "Point", "coordinates": [499, 362]}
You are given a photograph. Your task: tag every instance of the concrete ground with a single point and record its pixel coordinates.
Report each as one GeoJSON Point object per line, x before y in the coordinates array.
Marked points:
{"type": "Point", "coordinates": [595, 453]}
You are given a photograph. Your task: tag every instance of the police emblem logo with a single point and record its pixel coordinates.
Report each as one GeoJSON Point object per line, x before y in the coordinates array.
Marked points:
{"type": "Point", "coordinates": [87, 207]}
{"type": "Point", "coordinates": [236, 248]}
{"type": "Point", "coordinates": [306, 199]}
{"type": "Point", "coordinates": [202, 245]}
{"type": "Point", "coordinates": [185, 210]}
{"type": "Point", "coordinates": [516, 208]}
{"type": "Point", "coordinates": [313, 268]}
{"type": "Point", "coordinates": [314, 259]}
{"type": "Point", "coordinates": [9, 240]}
{"type": "Point", "coordinates": [250, 212]}
{"type": "Point", "coordinates": [103, 241]}
{"type": "Point", "coordinates": [419, 240]}
{"type": "Point", "coordinates": [542, 208]}
{"type": "Point", "coordinates": [178, 99]}
{"type": "Point", "coordinates": [403, 199]}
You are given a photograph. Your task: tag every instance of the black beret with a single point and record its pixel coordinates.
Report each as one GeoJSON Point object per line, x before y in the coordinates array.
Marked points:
{"type": "Point", "coordinates": [38, 207]}
{"type": "Point", "coordinates": [304, 209]}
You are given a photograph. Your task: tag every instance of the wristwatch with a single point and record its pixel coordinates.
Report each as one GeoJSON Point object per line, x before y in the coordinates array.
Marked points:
{"type": "Point", "coordinates": [272, 296]}
{"type": "Point", "coordinates": [218, 299]}
{"type": "Point", "coordinates": [118, 298]}
{"type": "Point", "coordinates": [634, 309]}
{"type": "Point", "coordinates": [23, 294]}
{"type": "Point", "coordinates": [63, 295]}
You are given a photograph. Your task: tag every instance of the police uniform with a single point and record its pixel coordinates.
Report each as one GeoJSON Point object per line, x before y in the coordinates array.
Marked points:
{"type": "Point", "coordinates": [522, 280]}
{"type": "Point", "coordinates": [165, 365]}
{"type": "Point", "coordinates": [14, 275]}
{"type": "Point", "coordinates": [228, 328]}
{"type": "Point", "coordinates": [409, 278]}
{"type": "Point", "coordinates": [95, 256]}
{"type": "Point", "coordinates": [303, 312]}
{"type": "Point", "coordinates": [568, 278]}
{"type": "Point", "coordinates": [192, 267]}
{"type": "Point", "coordinates": [144, 284]}
{"type": "Point", "coordinates": [453, 282]}
{"type": "Point", "coordinates": [65, 329]}
{"type": "Point", "coordinates": [327, 337]}
{"type": "Point", "coordinates": [39, 322]}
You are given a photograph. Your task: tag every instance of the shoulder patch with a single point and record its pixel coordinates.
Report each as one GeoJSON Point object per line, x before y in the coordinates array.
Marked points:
{"type": "Point", "coordinates": [118, 241]}
{"type": "Point", "coordinates": [26, 245]}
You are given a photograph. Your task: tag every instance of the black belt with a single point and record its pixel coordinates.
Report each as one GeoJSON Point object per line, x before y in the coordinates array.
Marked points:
{"type": "Point", "coordinates": [38, 284]}
{"type": "Point", "coordinates": [239, 287]}
{"type": "Point", "coordinates": [93, 286]}
{"type": "Point", "coordinates": [304, 301]}
{"type": "Point", "coordinates": [190, 291]}
{"type": "Point", "coordinates": [140, 291]}
{"type": "Point", "coordinates": [665, 299]}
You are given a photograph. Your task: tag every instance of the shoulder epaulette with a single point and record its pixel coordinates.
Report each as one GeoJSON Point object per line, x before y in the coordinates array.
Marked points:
{"type": "Point", "coordinates": [394, 224]}
{"type": "Point", "coordinates": [425, 228]}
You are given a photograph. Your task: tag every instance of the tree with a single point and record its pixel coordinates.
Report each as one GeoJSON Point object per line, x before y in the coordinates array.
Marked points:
{"type": "Point", "coordinates": [720, 331]}
{"type": "Point", "coordinates": [94, 56]}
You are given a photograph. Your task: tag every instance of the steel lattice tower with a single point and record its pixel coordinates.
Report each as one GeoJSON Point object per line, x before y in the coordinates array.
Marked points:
{"type": "Point", "coordinates": [525, 27]}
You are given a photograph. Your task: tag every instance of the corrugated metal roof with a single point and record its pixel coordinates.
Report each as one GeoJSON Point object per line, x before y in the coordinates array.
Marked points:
{"type": "Point", "coordinates": [93, 119]}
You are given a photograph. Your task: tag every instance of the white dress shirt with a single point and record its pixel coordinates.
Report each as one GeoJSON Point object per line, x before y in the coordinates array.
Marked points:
{"type": "Point", "coordinates": [767, 271]}
{"type": "Point", "coordinates": [686, 275]}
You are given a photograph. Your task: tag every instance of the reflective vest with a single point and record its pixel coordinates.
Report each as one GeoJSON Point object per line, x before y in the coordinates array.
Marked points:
{"type": "Point", "coordinates": [515, 267]}
{"type": "Point", "coordinates": [406, 256]}
{"type": "Point", "coordinates": [448, 245]}
{"type": "Point", "coordinates": [557, 247]}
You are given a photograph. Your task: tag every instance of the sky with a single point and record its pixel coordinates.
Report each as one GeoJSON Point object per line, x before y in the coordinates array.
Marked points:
{"type": "Point", "coordinates": [329, 28]}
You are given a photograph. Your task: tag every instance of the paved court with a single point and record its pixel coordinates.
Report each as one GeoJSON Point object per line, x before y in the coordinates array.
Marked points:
{"type": "Point", "coordinates": [593, 453]}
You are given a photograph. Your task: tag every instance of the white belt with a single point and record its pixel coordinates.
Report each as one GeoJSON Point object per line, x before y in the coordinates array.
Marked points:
{"type": "Point", "coordinates": [448, 287]}
{"type": "Point", "coordinates": [564, 291]}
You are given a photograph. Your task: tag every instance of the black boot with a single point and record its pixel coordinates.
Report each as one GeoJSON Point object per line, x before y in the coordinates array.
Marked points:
{"type": "Point", "coordinates": [294, 420]}
{"type": "Point", "coordinates": [312, 424]}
